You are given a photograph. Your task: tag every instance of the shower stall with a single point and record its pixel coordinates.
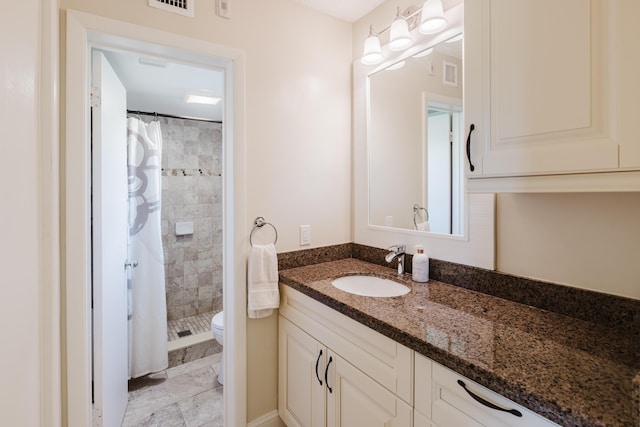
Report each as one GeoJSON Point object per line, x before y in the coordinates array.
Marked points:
{"type": "Point", "coordinates": [191, 223]}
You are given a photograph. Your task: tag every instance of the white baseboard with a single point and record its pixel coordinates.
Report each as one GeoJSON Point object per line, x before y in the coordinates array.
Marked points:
{"type": "Point", "coordinates": [268, 420]}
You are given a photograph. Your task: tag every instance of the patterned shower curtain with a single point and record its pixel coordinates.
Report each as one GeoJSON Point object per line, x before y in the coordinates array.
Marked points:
{"type": "Point", "coordinates": [146, 285]}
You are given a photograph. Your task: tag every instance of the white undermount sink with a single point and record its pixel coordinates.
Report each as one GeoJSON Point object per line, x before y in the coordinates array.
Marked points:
{"type": "Point", "coordinates": [370, 286]}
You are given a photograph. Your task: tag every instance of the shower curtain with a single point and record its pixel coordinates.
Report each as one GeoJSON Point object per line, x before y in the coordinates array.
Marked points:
{"type": "Point", "coordinates": [146, 285]}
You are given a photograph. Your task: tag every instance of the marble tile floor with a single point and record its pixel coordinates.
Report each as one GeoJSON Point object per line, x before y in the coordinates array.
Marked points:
{"type": "Point", "coordinates": [187, 395]}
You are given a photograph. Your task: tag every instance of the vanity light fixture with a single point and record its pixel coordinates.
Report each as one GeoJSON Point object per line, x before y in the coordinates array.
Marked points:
{"type": "Point", "coordinates": [201, 99]}
{"type": "Point", "coordinates": [372, 51]}
{"type": "Point", "coordinates": [399, 38]}
{"type": "Point", "coordinates": [433, 20]}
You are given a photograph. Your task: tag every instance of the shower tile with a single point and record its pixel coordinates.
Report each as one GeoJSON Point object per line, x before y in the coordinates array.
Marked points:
{"type": "Point", "coordinates": [191, 161]}
{"type": "Point", "coordinates": [205, 254]}
{"type": "Point", "coordinates": [175, 284]}
{"type": "Point", "coordinates": [217, 303]}
{"type": "Point", "coordinates": [205, 265]}
{"type": "Point", "coordinates": [205, 161]}
{"type": "Point", "coordinates": [207, 306]}
{"type": "Point", "coordinates": [175, 160]}
{"type": "Point", "coordinates": [205, 197]}
{"type": "Point", "coordinates": [190, 267]}
{"type": "Point", "coordinates": [191, 308]}
{"type": "Point", "coordinates": [216, 276]}
{"type": "Point", "coordinates": [191, 132]}
{"type": "Point", "coordinates": [192, 148]}
{"type": "Point", "coordinates": [174, 313]}
{"type": "Point", "coordinates": [205, 210]}
{"type": "Point", "coordinates": [175, 299]}
{"type": "Point", "coordinates": [205, 278]}
{"type": "Point", "coordinates": [193, 193]}
{"type": "Point", "coordinates": [205, 292]}
{"type": "Point", "coordinates": [191, 211]}
{"type": "Point", "coordinates": [176, 254]}
{"type": "Point", "coordinates": [176, 183]}
{"type": "Point", "coordinates": [205, 240]}
{"type": "Point", "coordinates": [176, 269]}
{"type": "Point", "coordinates": [189, 197]}
{"type": "Point", "coordinates": [190, 281]}
{"type": "Point", "coordinates": [190, 294]}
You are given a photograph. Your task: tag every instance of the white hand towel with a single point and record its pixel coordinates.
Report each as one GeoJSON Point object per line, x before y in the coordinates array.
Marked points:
{"type": "Point", "coordinates": [423, 226]}
{"type": "Point", "coordinates": [263, 295]}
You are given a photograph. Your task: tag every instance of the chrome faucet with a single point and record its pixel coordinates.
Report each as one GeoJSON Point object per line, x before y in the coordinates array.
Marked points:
{"type": "Point", "coordinates": [396, 251]}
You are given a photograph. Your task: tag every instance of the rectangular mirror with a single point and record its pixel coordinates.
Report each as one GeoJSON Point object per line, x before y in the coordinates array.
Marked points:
{"type": "Point", "coordinates": [415, 131]}
{"type": "Point", "coordinates": [404, 164]}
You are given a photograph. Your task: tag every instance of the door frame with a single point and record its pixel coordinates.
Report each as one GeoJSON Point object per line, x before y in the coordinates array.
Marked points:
{"type": "Point", "coordinates": [84, 31]}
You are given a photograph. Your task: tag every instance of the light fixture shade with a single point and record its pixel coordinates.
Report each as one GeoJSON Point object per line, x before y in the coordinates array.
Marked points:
{"type": "Point", "coordinates": [399, 38]}
{"type": "Point", "coordinates": [372, 51]}
{"type": "Point", "coordinates": [433, 20]}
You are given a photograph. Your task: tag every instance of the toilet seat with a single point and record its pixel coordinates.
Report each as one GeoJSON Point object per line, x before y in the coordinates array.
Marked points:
{"type": "Point", "coordinates": [218, 321]}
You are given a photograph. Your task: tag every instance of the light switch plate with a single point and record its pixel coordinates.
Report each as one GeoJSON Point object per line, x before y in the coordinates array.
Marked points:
{"type": "Point", "coordinates": [305, 235]}
{"type": "Point", "coordinates": [222, 9]}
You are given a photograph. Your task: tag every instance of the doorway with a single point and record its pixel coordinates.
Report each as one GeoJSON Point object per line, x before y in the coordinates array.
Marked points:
{"type": "Point", "coordinates": [84, 33]}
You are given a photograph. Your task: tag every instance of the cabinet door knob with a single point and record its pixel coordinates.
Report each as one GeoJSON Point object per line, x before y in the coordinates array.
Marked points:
{"type": "Point", "coordinates": [326, 375]}
{"type": "Point", "coordinates": [471, 128]}
{"type": "Point", "coordinates": [487, 403]}
{"type": "Point", "coordinates": [317, 363]}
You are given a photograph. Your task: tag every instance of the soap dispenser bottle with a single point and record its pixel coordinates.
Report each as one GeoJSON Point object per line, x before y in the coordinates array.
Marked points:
{"type": "Point", "coordinates": [420, 265]}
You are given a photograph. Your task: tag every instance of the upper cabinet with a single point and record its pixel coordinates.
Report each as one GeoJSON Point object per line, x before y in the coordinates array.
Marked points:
{"type": "Point", "coordinates": [551, 89]}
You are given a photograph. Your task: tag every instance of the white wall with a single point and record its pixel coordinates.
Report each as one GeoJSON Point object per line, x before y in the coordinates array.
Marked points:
{"type": "Point", "coordinates": [28, 189]}
{"type": "Point", "coordinates": [19, 251]}
{"type": "Point", "coordinates": [589, 241]}
{"type": "Point", "coordinates": [298, 131]}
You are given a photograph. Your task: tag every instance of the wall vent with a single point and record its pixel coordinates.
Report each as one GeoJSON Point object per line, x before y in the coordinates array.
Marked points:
{"type": "Point", "coordinates": [181, 7]}
{"type": "Point", "coordinates": [449, 74]}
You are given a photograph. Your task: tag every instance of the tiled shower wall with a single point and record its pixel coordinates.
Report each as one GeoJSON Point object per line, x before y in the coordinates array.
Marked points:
{"type": "Point", "coordinates": [192, 191]}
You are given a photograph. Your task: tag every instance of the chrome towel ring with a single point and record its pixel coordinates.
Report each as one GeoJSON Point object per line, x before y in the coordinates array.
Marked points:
{"type": "Point", "coordinates": [417, 210]}
{"type": "Point", "coordinates": [260, 222]}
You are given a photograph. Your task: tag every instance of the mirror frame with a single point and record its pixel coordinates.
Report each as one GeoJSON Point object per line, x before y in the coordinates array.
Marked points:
{"type": "Point", "coordinates": [476, 246]}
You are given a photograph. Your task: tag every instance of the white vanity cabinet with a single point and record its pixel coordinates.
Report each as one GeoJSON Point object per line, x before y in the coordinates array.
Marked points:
{"type": "Point", "coordinates": [334, 371]}
{"type": "Point", "coordinates": [551, 89]}
{"type": "Point", "coordinates": [451, 400]}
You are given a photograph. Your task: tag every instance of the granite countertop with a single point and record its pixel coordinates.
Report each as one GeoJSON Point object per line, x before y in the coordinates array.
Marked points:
{"type": "Point", "coordinates": [570, 371]}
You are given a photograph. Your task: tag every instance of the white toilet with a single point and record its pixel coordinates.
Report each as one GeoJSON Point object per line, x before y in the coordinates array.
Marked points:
{"type": "Point", "coordinates": [217, 326]}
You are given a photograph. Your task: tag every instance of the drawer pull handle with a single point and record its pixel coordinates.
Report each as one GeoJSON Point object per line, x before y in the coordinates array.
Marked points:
{"type": "Point", "coordinates": [486, 403]}
{"type": "Point", "coordinates": [326, 375]}
{"type": "Point", "coordinates": [471, 128]}
{"type": "Point", "coordinates": [317, 363]}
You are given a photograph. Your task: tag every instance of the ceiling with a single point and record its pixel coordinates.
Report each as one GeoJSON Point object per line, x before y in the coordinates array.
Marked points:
{"type": "Point", "coordinates": [155, 85]}
{"type": "Point", "coordinates": [162, 86]}
{"type": "Point", "coordinates": [347, 10]}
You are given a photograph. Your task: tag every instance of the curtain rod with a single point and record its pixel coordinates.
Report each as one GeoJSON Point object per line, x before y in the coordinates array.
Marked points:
{"type": "Point", "coordinates": [170, 116]}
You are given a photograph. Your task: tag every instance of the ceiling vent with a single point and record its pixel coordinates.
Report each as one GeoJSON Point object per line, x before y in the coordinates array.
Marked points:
{"type": "Point", "coordinates": [181, 7]}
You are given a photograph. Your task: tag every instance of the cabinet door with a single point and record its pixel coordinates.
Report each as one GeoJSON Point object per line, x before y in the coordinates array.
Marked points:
{"type": "Point", "coordinates": [540, 86]}
{"type": "Point", "coordinates": [301, 382]}
{"type": "Point", "coordinates": [354, 399]}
